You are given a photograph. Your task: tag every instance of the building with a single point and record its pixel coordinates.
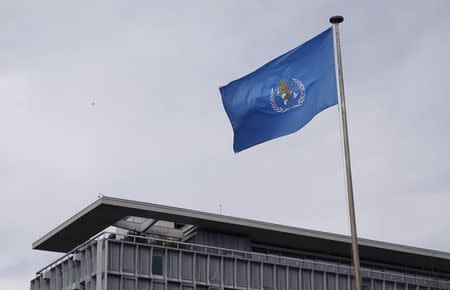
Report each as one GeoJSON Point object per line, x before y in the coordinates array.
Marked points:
{"type": "Point", "coordinates": [166, 248]}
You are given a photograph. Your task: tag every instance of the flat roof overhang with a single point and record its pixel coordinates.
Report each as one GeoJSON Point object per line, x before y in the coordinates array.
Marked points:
{"type": "Point", "coordinates": [106, 211]}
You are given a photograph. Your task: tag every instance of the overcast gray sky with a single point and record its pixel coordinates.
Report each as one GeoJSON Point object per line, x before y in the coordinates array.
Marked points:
{"type": "Point", "coordinates": [157, 131]}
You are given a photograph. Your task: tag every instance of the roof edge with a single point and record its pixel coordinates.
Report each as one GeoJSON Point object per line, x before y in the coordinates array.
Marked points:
{"type": "Point", "coordinates": [170, 210]}
{"type": "Point", "coordinates": [66, 223]}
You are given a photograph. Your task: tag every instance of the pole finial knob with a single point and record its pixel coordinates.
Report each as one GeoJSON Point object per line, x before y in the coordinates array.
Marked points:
{"type": "Point", "coordinates": [336, 19]}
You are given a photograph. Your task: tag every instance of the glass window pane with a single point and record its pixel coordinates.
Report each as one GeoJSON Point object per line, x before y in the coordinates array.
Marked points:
{"type": "Point", "coordinates": [281, 278]}
{"type": "Point", "coordinates": [172, 265]}
{"type": "Point", "coordinates": [255, 273]}
{"type": "Point", "coordinates": [229, 272]}
{"type": "Point", "coordinates": [342, 282]}
{"type": "Point", "coordinates": [128, 284]}
{"type": "Point", "coordinates": [331, 281]}
{"type": "Point", "coordinates": [306, 280]}
{"type": "Point", "coordinates": [201, 268]}
{"type": "Point", "coordinates": [366, 284]}
{"type": "Point", "coordinates": [378, 284]}
{"type": "Point", "coordinates": [128, 258]}
{"type": "Point", "coordinates": [293, 279]}
{"type": "Point", "coordinates": [113, 282]}
{"type": "Point", "coordinates": [214, 270]}
{"type": "Point", "coordinates": [318, 280]}
{"type": "Point", "coordinates": [187, 266]}
{"type": "Point", "coordinates": [144, 260]}
{"type": "Point", "coordinates": [267, 276]}
{"type": "Point", "coordinates": [241, 273]}
{"type": "Point", "coordinates": [157, 262]}
{"type": "Point", "coordinates": [158, 286]}
{"type": "Point", "coordinates": [143, 284]}
{"type": "Point", "coordinates": [113, 256]}
{"type": "Point", "coordinates": [172, 286]}
{"type": "Point", "coordinates": [389, 285]}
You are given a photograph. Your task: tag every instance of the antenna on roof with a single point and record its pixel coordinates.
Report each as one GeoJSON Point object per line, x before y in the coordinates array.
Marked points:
{"type": "Point", "coordinates": [220, 209]}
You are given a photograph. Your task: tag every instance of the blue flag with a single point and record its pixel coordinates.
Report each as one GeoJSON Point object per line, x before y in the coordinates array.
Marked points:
{"type": "Point", "coordinates": [282, 96]}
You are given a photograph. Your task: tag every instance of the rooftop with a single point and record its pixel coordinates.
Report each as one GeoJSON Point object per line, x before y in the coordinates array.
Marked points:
{"type": "Point", "coordinates": [108, 211]}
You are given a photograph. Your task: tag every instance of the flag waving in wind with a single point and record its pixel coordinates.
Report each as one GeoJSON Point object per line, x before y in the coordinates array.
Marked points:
{"type": "Point", "coordinates": [283, 95]}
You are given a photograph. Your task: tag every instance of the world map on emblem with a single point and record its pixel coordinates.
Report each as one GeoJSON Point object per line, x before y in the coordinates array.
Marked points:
{"type": "Point", "coordinates": [288, 94]}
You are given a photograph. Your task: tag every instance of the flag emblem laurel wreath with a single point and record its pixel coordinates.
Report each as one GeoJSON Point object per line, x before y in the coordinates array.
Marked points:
{"type": "Point", "coordinates": [287, 95]}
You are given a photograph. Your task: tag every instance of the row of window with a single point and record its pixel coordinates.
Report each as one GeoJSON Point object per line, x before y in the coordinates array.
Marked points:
{"type": "Point", "coordinates": [230, 272]}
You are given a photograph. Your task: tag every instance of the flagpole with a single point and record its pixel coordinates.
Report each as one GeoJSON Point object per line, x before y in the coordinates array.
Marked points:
{"type": "Point", "coordinates": [335, 20]}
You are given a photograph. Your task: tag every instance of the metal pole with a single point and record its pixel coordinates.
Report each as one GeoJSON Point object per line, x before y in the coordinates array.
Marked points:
{"type": "Point", "coordinates": [335, 20]}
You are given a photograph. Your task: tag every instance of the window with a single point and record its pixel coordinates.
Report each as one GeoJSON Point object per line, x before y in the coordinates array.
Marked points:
{"type": "Point", "coordinates": [293, 279]}
{"type": "Point", "coordinates": [255, 274]}
{"type": "Point", "coordinates": [173, 286]}
{"type": "Point", "coordinates": [187, 272]}
{"type": "Point", "coordinates": [128, 258]}
{"type": "Point", "coordinates": [201, 268]}
{"type": "Point", "coordinates": [268, 276]}
{"type": "Point", "coordinates": [143, 284]}
{"type": "Point", "coordinates": [128, 284]}
{"type": "Point", "coordinates": [241, 273]}
{"type": "Point", "coordinates": [157, 262]}
{"type": "Point", "coordinates": [318, 280]}
{"type": "Point", "coordinates": [172, 264]}
{"type": "Point", "coordinates": [228, 272]}
{"type": "Point", "coordinates": [366, 284]}
{"type": "Point", "coordinates": [281, 277]}
{"type": "Point", "coordinates": [214, 270]}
